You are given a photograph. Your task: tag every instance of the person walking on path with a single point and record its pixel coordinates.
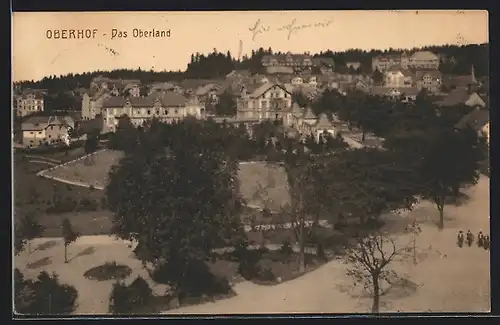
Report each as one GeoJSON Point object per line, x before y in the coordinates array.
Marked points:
{"type": "Point", "coordinates": [486, 243]}
{"type": "Point", "coordinates": [480, 239]}
{"type": "Point", "coordinates": [470, 238]}
{"type": "Point", "coordinates": [460, 239]}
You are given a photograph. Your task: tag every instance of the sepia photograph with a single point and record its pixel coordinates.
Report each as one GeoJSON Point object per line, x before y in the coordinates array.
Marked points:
{"type": "Point", "coordinates": [250, 162]}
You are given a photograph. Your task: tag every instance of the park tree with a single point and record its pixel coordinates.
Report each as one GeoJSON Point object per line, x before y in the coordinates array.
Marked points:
{"type": "Point", "coordinates": [452, 161]}
{"type": "Point", "coordinates": [189, 202]}
{"type": "Point", "coordinates": [367, 183]}
{"type": "Point", "coordinates": [304, 209]}
{"type": "Point", "coordinates": [91, 144]}
{"type": "Point", "coordinates": [125, 137]}
{"type": "Point", "coordinates": [378, 77]}
{"type": "Point", "coordinates": [29, 228]}
{"type": "Point", "coordinates": [226, 105]}
{"type": "Point", "coordinates": [262, 196]}
{"type": "Point", "coordinates": [414, 230]}
{"type": "Point", "coordinates": [69, 236]}
{"type": "Point", "coordinates": [24, 295]}
{"type": "Point", "coordinates": [371, 260]}
{"type": "Point", "coordinates": [299, 98]}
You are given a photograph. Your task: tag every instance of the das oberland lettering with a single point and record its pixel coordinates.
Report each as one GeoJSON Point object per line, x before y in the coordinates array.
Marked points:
{"type": "Point", "coordinates": [115, 33]}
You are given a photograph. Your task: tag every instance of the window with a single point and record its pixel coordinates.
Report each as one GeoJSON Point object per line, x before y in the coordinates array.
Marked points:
{"type": "Point", "coordinates": [157, 112]}
{"type": "Point", "coordinates": [50, 136]}
{"type": "Point", "coordinates": [31, 132]}
{"type": "Point", "coordinates": [149, 112]}
{"type": "Point", "coordinates": [39, 132]}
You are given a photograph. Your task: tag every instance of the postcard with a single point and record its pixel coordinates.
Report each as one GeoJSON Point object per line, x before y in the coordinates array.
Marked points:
{"type": "Point", "coordinates": [225, 163]}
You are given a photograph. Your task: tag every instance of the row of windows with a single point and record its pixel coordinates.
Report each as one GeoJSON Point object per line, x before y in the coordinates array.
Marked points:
{"type": "Point", "coordinates": [149, 112]}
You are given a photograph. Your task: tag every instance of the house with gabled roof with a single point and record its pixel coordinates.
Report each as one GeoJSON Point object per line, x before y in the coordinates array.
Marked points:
{"type": "Point", "coordinates": [264, 101]}
{"type": "Point", "coordinates": [46, 130]}
{"type": "Point", "coordinates": [479, 120]}
{"type": "Point", "coordinates": [168, 107]}
{"type": "Point", "coordinates": [460, 96]}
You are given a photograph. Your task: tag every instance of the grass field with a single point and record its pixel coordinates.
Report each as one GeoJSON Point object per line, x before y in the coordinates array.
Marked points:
{"type": "Point", "coordinates": [93, 170]}
{"type": "Point", "coordinates": [38, 195]}
{"type": "Point", "coordinates": [252, 177]}
{"type": "Point", "coordinates": [35, 194]}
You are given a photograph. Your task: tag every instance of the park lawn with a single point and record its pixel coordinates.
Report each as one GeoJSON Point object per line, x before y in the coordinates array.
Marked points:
{"type": "Point", "coordinates": [91, 251]}
{"type": "Point", "coordinates": [34, 194]}
{"type": "Point", "coordinates": [250, 175]}
{"type": "Point", "coordinates": [93, 170]}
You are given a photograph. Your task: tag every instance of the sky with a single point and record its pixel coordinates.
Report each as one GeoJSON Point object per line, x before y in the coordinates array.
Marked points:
{"type": "Point", "coordinates": [37, 54]}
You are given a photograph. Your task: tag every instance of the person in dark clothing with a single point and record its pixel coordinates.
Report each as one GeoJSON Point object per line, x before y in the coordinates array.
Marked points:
{"type": "Point", "coordinates": [460, 239]}
{"type": "Point", "coordinates": [480, 239]}
{"type": "Point", "coordinates": [486, 243]}
{"type": "Point", "coordinates": [470, 238]}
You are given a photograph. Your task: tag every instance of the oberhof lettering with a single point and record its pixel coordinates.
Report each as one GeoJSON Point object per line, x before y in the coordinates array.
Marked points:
{"type": "Point", "coordinates": [70, 33]}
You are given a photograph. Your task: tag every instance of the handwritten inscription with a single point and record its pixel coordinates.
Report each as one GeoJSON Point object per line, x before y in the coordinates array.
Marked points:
{"type": "Point", "coordinates": [115, 33]}
{"type": "Point", "coordinates": [111, 51]}
{"type": "Point", "coordinates": [290, 29]}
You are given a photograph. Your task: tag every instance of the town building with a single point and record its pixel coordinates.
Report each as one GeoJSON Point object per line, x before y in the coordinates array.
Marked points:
{"type": "Point", "coordinates": [354, 65]}
{"type": "Point", "coordinates": [479, 120]}
{"type": "Point", "coordinates": [29, 101]}
{"type": "Point", "coordinates": [424, 60]}
{"type": "Point", "coordinates": [431, 80]}
{"type": "Point", "coordinates": [292, 63]}
{"type": "Point", "coordinates": [397, 77]}
{"type": "Point", "coordinates": [92, 103]}
{"type": "Point", "coordinates": [418, 60]}
{"type": "Point", "coordinates": [462, 96]}
{"type": "Point", "coordinates": [169, 107]}
{"type": "Point", "coordinates": [45, 130]}
{"type": "Point", "coordinates": [264, 101]}
{"type": "Point", "coordinates": [405, 94]}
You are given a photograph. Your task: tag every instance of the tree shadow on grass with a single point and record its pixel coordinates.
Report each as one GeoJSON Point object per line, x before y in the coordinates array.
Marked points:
{"type": "Point", "coordinates": [46, 245]}
{"type": "Point", "coordinates": [458, 200]}
{"type": "Point", "coordinates": [40, 263]}
{"type": "Point", "coordinates": [400, 289]}
{"type": "Point", "coordinates": [87, 251]}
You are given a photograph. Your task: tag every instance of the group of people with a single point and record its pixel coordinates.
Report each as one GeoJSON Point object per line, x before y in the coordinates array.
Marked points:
{"type": "Point", "coordinates": [483, 241]}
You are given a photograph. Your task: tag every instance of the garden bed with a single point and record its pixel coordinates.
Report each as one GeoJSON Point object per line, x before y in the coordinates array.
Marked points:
{"type": "Point", "coordinates": [108, 271]}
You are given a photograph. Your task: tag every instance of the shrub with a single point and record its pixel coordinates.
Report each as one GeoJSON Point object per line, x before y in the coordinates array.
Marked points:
{"type": "Point", "coordinates": [286, 248]}
{"type": "Point", "coordinates": [43, 296]}
{"type": "Point", "coordinates": [264, 270]}
{"type": "Point", "coordinates": [196, 281]}
{"type": "Point", "coordinates": [88, 205]}
{"type": "Point", "coordinates": [123, 299]}
{"type": "Point", "coordinates": [108, 271]}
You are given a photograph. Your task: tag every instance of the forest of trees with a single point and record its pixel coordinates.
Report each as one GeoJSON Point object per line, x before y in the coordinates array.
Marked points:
{"type": "Point", "coordinates": [456, 60]}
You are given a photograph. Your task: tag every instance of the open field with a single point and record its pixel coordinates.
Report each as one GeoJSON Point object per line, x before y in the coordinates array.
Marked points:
{"type": "Point", "coordinates": [271, 177]}
{"type": "Point", "coordinates": [35, 194]}
{"type": "Point", "coordinates": [93, 170]}
{"type": "Point", "coordinates": [446, 278]}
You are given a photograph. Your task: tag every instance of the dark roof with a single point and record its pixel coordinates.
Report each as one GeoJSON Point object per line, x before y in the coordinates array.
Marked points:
{"type": "Point", "coordinates": [323, 61]}
{"type": "Point", "coordinates": [476, 119]}
{"type": "Point", "coordinates": [455, 97]}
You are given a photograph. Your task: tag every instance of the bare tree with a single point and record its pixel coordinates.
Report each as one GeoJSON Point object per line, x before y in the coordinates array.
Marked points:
{"type": "Point", "coordinates": [414, 229]}
{"type": "Point", "coordinates": [262, 196]}
{"type": "Point", "coordinates": [370, 260]}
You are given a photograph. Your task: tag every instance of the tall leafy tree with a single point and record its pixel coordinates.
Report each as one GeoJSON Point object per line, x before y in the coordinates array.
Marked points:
{"type": "Point", "coordinates": [29, 229]}
{"type": "Point", "coordinates": [452, 161]}
{"type": "Point", "coordinates": [188, 202]}
{"type": "Point", "coordinates": [226, 105]}
{"type": "Point", "coordinates": [69, 236]}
